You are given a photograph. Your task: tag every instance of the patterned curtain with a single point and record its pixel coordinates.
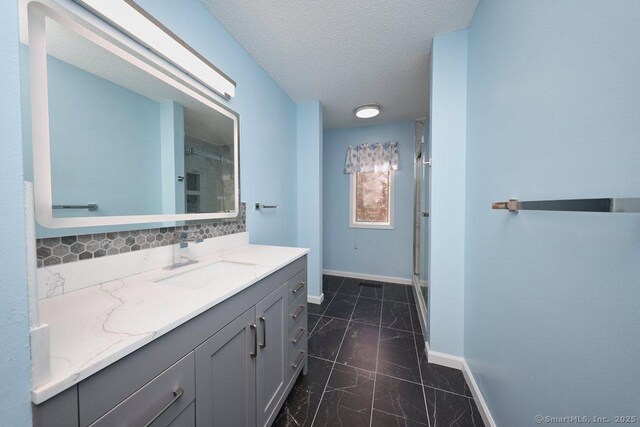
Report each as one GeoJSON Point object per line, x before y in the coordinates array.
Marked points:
{"type": "Point", "coordinates": [379, 157]}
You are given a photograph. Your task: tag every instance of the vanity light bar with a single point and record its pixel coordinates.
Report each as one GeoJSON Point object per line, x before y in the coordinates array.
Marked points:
{"type": "Point", "coordinates": [136, 22]}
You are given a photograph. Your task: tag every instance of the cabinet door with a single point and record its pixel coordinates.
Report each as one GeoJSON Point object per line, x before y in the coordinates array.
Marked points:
{"type": "Point", "coordinates": [226, 375]}
{"type": "Point", "coordinates": [271, 362]}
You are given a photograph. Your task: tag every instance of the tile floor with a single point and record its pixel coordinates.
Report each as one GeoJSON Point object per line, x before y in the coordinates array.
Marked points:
{"type": "Point", "coordinates": [367, 365]}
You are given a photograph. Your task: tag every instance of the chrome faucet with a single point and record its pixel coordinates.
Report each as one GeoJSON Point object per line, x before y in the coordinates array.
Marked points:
{"type": "Point", "coordinates": [181, 253]}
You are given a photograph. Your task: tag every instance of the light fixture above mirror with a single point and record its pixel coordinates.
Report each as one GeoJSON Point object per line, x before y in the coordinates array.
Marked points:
{"type": "Point", "coordinates": [136, 22]}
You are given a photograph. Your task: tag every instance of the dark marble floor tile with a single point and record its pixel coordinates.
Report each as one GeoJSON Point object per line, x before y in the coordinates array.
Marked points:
{"type": "Point", "coordinates": [347, 399]}
{"type": "Point", "coordinates": [475, 413]}
{"type": "Point", "coordinates": [396, 315]}
{"type": "Point", "coordinates": [312, 321]}
{"type": "Point", "coordinates": [367, 311]}
{"type": "Point", "coordinates": [332, 284]}
{"type": "Point", "coordinates": [360, 346]}
{"type": "Point", "coordinates": [382, 419]}
{"type": "Point", "coordinates": [400, 398]}
{"type": "Point", "coordinates": [350, 286]}
{"type": "Point", "coordinates": [438, 376]}
{"type": "Point", "coordinates": [371, 289]}
{"type": "Point", "coordinates": [320, 308]}
{"type": "Point", "coordinates": [448, 409]}
{"type": "Point", "coordinates": [415, 320]}
{"type": "Point", "coordinates": [422, 352]}
{"type": "Point", "coordinates": [410, 296]}
{"type": "Point", "coordinates": [341, 306]}
{"type": "Point", "coordinates": [302, 402]}
{"type": "Point", "coordinates": [324, 341]}
{"type": "Point", "coordinates": [397, 355]}
{"type": "Point", "coordinates": [395, 292]}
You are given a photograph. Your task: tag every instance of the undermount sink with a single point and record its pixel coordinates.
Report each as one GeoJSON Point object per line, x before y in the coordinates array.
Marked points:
{"type": "Point", "coordinates": [209, 274]}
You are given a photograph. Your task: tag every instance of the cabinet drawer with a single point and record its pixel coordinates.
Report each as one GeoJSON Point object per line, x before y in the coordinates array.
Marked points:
{"type": "Point", "coordinates": [168, 394]}
{"type": "Point", "coordinates": [297, 286]}
{"type": "Point", "coordinates": [297, 312]}
{"type": "Point", "coordinates": [297, 358]}
{"type": "Point", "coordinates": [296, 336]}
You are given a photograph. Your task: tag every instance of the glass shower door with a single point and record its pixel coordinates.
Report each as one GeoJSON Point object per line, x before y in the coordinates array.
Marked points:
{"type": "Point", "coordinates": [421, 228]}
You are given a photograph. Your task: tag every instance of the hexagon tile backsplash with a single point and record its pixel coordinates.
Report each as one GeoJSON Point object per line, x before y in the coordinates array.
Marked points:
{"type": "Point", "coordinates": [61, 250]}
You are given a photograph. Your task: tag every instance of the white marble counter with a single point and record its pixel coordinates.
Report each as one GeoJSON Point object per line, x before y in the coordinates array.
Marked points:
{"type": "Point", "coordinates": [94, 327]}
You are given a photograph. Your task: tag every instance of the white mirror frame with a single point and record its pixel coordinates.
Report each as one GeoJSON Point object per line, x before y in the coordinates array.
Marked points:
{"type": "Point", "coordinates": [37, 12]}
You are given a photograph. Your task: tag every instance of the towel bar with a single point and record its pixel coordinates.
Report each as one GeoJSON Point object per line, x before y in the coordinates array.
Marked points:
{"type": "Point", "coordinates": [89, 206]}
{"type": "Point", "coordinates": [613, 205]}
{"type": "Point", "coordinates": [261, 206]}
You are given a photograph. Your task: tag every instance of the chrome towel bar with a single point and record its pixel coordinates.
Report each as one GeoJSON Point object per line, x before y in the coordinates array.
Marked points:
{"type": "Point", "coordinates": [89, 206]}
{"type": "Point", "coordinates": [261, 206]}
{"type": "Point", "coordinates": [613, 205]}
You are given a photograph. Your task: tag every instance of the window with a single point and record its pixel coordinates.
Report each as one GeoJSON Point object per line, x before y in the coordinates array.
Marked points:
{"type": "Point", "coordinates": [371, 204]}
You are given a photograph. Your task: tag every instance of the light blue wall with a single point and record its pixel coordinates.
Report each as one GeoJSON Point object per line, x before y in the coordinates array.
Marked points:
{"type": "Point", "coordinates": [552, 317]}
{"type": "Point", "coordinates": [172, 157]}
{"type": "Point", "coordinates": [119, 130]}
{"type": "Point", "coordinates": [15, 368]}
{"type": "Point", "coordinates": [309, 179]}
{"type": "Point", "coordinates": [448, 140]}
{"type": "Point", "coordinates": [380, 252]}
{"type": "Point", "coordinates": [267, 119]}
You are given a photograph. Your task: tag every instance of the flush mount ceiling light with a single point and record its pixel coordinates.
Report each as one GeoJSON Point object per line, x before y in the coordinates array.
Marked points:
{"type": "Point", "coordinates": [367, 111]}
{"type": "Point", "coordinates": [137, 23]}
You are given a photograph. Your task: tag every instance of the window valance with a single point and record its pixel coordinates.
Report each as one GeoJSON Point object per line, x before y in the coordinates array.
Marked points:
{"type": "Point", "coordinates": [380, 157]}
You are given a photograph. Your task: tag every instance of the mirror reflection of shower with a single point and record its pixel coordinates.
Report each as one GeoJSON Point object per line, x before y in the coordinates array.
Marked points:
{"type": "Point", "coordinates": [209, 176]}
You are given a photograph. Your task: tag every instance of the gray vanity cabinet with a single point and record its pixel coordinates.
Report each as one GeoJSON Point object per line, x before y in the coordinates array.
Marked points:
{"type": "Point", "coordinates": [241, 371]}
{"type": "Point", "coordinates": [232, 365]}
{"type": "Point", "coordinates": [225, 375]}
{"type": "Point", "coordinates": [272, 358]}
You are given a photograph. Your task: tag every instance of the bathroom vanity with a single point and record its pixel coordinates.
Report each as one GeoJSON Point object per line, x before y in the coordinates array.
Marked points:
{"type": "Point", "coordinates": [233, 357]}
{"type": "Point", "coordinates": [132, 153]}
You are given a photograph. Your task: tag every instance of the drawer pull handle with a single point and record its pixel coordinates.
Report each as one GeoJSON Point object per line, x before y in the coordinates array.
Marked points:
{"type": "Point", "coordinates": [255, 340]}
{"type": "Point", "coordinates": [263, 320]}
{"type": "Point", "coordinates": [298, 311]}
{"type": "Point", "coordinates": [300, 286]}
{"type": "Point", "coordinates": [300, 334]}
{"type": "Point", "coordinates": [295, 365]}
{"type": "Point", "coordinates": [177, 394]}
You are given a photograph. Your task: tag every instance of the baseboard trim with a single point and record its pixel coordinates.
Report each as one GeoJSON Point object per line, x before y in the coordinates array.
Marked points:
{"type": "Point", "coordinates": [444, 359]}
{"type": "Point", "coordinates": [477, 396]}
{"type": "Point", "coordinates": [458, 362]}
{"type": "Point", "coordinates": [312, 299]}
{"type": "Point", "coordinates": [363, 276]}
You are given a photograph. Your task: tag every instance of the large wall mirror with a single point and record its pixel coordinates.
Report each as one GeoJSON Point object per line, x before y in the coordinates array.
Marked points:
{"type": "Point", "coordinates": [112, 141]}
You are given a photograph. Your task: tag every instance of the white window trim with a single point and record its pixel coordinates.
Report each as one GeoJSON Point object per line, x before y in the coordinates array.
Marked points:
{"type": "Point", "coordinates": [352, 206]}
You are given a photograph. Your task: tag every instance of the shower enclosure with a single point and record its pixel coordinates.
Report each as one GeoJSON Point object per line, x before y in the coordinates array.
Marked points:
{"type": "Point", "coordinates": [422, 167]}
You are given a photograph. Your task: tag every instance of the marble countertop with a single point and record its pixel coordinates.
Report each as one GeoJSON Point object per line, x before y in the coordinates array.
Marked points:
{"type": "Point", "coordinates": [94, 327]}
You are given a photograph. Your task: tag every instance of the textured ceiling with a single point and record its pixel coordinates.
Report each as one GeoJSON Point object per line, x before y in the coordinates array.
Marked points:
{"type": "Point", "coordinates": [346, 53]}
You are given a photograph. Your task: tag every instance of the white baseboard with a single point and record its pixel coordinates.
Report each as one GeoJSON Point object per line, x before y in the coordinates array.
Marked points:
{"type": "Point", "coordinates": [312, 299]}
{"type": "Point", "coordinates": [477, 396]}
{"type": "Point", "coordinates": [444, 359]}
{"type": "Point", "coordinates": [363, 276]}
{"type": "Point", "coordinates": [458, 362]}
